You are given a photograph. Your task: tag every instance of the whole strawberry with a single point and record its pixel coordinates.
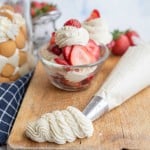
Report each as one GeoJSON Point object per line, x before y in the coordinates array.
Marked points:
{"type": "Point", "coordinates": [122, 43]}
{"type": "Point", "coordinates": [131, 34]}
{"type": "Point", "coordinates": [73, 22]}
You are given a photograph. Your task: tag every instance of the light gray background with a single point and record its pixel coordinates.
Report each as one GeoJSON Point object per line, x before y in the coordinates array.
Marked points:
{"type": "Point", "coordinates": [121, 14]}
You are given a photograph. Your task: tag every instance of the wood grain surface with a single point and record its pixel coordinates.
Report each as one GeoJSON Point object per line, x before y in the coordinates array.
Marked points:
{"type": "Point", "coordinates": [127, 126]}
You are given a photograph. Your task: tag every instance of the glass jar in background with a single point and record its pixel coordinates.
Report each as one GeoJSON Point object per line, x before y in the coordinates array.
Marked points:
{"type": "Point", "coordinates": [44, 16]}
{"type": "Point", "coordinates": [16, 51]}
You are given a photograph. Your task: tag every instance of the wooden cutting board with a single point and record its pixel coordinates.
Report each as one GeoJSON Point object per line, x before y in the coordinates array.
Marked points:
{"type": "Point", "coordinates": [127, 126]}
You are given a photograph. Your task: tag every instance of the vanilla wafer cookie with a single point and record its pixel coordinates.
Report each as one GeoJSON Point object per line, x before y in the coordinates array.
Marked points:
{"type": "Point", "coordinates": [22, 58]}
{"type": "Point", "coordinates": [8, 70]}
{"type": "Point", "coordinates": [20, 40]}
{"type": "Point", "coordinates": [3, 79]}
{"type": "Point", "coordinates": [7, 48]}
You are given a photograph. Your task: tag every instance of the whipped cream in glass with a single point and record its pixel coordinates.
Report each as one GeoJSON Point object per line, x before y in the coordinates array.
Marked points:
{"type": "Point", "coordinates": [19, 20]}
{"type": "Point", "coordinates": [81, 74]}
{"type": "Point", "coordinates": [8, 30]}
{"type": "Point", "coordinates": [98, 31]}
{"type": "Point", "coordinates": [13, 35]}
{"type": "Point", "coordinates": [69, 35]}
{"type": "Point", "coordinates": [73, 75]}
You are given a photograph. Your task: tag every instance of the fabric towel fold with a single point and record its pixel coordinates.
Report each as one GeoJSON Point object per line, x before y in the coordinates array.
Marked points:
{"type": "Point", "coordinates": [11, 95]}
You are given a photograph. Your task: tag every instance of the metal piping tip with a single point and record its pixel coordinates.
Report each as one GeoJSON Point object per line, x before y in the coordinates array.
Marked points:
{"type": "Point", "coordinates": [96, 108]}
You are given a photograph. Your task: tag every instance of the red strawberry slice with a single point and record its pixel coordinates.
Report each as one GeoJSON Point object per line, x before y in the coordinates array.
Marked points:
{"type": "Point", "coordinates": [56, 50]}
{"type": "Point", "coordinates": [87, 80]}
{"type": "Point", "coordinates": [60, 61]}
{"type": "Point", "coordinates": [81, 56]}
{"type": "Point", "coordinates": [93, 48]}
{"type": "Point", "coordinates": [94, 14]}
{"type": "Point", "coordinates": [73, 22]}
{"type": "Point", "coordinates": [66, 52]}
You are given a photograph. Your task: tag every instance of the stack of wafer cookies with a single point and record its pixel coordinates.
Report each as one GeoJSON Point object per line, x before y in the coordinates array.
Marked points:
{"type": "Point", "coordinates": [15, 60]}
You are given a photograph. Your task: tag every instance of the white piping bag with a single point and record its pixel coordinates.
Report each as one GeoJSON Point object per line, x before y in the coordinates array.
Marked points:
{"type": "Point", "coordinates": [130, 76]}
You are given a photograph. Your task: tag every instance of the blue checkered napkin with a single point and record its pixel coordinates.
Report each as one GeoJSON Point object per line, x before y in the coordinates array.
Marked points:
{"type": "Point", "coordinates": [11, 95]}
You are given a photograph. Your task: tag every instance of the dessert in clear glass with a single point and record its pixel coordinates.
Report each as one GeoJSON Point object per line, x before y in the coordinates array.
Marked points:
{"type": "Point", "coordinates": [71, 58]}
{"type": "Point", "coordinates": [16, 58]}
{"type": "Point", "coordinates": [69, 77]}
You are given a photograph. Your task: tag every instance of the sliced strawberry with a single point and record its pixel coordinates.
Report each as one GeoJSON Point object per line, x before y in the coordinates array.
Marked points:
{"type": "Point", "coordinates": [61, 61]}
{"type": "Point", "coordinates": [87, 80]}
{"type": "Point", "coordinates": [70, 84]}
{"type": "Point", "coordinates": [66, 52]}
{"type": "Point", "coordinates": [94, 14]}
{"type": "Point", "coordinates": [93, 48]}
{"type": "Point", "coordinates": [73, 22]}
{"type": "Point", "coordinates": [81, 56]}
{"type": "Point", "coordinates": [56, 50]}
{"type": "Point", "coordinates": [52, 40]}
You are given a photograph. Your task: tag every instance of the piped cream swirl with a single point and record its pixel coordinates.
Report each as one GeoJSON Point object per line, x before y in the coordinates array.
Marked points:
{"type": "Point", "coordinates": [69, 35]}
{"type": "Point", "coordinates": [60, 127]}
{"type": "Point", "coordinates": [98, 30]}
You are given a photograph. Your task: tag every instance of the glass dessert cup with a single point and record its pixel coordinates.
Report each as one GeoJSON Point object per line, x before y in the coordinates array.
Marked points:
{"type": "Point", "coordinates": [72, 78]}
{"type": "Point", "coordinates": [43, 26]}
{"type": "Point", "coordinates": [16, 51]}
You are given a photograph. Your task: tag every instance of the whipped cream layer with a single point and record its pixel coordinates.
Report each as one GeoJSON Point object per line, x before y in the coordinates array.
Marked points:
{"type": "Point", "coordinates": [130, 76]}
{"type": "Point", "coordinates": [8, 30]}
{"type": "Point", "coordinates": [19, 20]}
{"type": "Point", "coordinates": [98, 31]}
{"type": "Point", "coordinates": [69, 35]}
{"type": "Point", "coordinates": [81, 74]}
{"type": "Point", "coordinates": [56, 69]}
{"type": "Point", "coordinates": [60, 127]}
